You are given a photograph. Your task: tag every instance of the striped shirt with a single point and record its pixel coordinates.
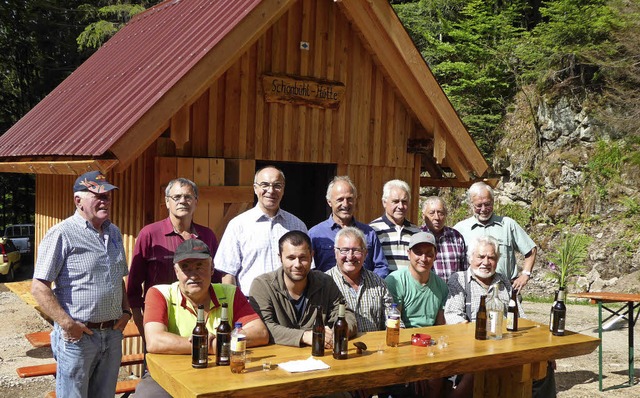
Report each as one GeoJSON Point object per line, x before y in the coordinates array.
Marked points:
{"type": "Point", "coordinates": [86, 266]}
{"type": "Point", "coordinates": [371, 302]}
{"type": "Point", "coordinates": [452, 252]}
{"type": "Point", "coordinates": [454, 309]}
{"type": "Point", "coordinates": [395, 240]}
{"type": "Point", "coordinates": [249, 246]}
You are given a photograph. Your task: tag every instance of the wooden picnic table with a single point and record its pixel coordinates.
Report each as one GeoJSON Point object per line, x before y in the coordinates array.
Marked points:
{"type": "Point", "coordinates": [502, 368]}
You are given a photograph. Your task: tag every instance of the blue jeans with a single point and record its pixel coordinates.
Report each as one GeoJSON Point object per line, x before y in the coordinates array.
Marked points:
{"type": "Point", "coordinates": [88, 367]}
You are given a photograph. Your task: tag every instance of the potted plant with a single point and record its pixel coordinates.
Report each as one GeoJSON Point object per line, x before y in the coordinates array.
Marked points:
{"type": "Point", "coordinates": [568, 260]}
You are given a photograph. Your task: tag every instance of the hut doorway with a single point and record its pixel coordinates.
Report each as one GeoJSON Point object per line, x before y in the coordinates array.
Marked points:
{"type": "Point", "coordinates": [306, 188]}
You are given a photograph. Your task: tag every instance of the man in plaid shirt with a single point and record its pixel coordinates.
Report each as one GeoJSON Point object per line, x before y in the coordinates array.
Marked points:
{"type": "Point", "coordinates": [452, 250]}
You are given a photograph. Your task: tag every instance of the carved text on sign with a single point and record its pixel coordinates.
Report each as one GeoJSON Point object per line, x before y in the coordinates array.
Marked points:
{"type": "Point", "coordinates": [302, 91]}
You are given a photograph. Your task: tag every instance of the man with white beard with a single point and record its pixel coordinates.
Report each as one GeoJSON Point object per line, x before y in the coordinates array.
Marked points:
{"type": "Point", "coordinates": [465, 289]}
{"type": "Point", "coordinates": [468, 286]}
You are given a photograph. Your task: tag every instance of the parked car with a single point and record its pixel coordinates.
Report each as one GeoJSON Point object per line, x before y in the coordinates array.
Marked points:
{"type": "Point", "coordinates": [22, 235]}
{"type": "Point", "coordinates": [9, 259]}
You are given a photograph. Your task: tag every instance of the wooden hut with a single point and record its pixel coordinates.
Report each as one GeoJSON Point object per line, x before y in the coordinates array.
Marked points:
{"type": "Point", "coordinates": [213, 89]}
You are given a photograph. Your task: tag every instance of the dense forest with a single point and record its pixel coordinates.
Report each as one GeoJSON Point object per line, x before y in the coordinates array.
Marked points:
{"type": "Point", "coordinates": [492, 58]}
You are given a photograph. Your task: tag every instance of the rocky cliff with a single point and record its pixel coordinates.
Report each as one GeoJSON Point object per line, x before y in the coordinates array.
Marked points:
{"type": "Point", "coordinates": [564, 171]}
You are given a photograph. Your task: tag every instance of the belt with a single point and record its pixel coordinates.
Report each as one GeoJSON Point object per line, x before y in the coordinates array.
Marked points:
{"type": "Point", "coordinates": [101, 325]}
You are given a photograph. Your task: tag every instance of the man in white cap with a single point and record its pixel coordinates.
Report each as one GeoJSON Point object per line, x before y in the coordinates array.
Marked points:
{"type": "Point", "coordinates": [418, 291]}
{"type": "Point", "coordinates": [84, 256]}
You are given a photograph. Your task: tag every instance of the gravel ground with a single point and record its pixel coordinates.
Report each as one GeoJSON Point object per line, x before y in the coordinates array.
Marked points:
{"type": "Point", "coordinates": [575, 377]}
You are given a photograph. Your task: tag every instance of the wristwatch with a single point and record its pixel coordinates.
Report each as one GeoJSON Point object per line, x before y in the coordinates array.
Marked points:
{"type": "Point", "coordinates": [527, 273]}
{"type": "Point", "coordinates": [128, 312]}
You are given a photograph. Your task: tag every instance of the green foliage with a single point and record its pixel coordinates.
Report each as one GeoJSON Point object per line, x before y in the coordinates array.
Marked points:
{"type": "Point", "coordinates": [632, 206]}
{"type": "Point", "coordinates": [112, 18]}
{"type": "Point", "coordinates": [567, 261]}
{"type": "Point", "coordinates": [605, 164]}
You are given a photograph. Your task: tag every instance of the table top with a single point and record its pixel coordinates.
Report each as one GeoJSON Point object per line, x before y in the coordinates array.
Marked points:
{"type": "Point", "coordinates": [611, 297]}
{"type": "Point", "coordinates": [531, 344]}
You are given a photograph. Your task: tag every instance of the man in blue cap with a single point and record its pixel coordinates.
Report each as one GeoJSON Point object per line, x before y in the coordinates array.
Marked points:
{"type": "Point", "coordinates": [84, 256]}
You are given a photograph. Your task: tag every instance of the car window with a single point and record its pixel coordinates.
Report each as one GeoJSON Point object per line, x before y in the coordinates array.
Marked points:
{"type": "Point", "coordinates": [11, 247]}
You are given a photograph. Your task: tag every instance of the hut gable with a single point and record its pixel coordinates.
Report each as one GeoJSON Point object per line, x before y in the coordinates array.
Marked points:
{"type": "Point", "coordinates": [213, 89]}
{"type": "Point", "coordinates": [150, 75]}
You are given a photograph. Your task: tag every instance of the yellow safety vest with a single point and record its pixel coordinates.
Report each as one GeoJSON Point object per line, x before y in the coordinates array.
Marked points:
{"type": "Point", "coordinates": [182, 321]}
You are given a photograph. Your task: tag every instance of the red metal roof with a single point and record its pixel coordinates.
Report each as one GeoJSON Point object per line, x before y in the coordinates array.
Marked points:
{"type": "Point", "coordinates": [108, 93]}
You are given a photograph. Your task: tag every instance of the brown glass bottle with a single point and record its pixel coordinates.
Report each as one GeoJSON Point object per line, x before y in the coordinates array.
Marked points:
{"type": "Point", "coordinates": [223, 338]}
{"type": "Point", "coordinates": [512, 312]}
{"type": "Point", "coordinates": [317, 346]}
{"type": "Point", "coordinates": [200, 342]}
{"type": "Point", "coordinates": [341, 335]}
{"type": "Point", "coordinates": [481, 319]}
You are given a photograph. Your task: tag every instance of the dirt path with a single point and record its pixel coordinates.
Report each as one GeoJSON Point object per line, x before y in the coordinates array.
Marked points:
{"type": "Point", "coordinates": [575, 377]}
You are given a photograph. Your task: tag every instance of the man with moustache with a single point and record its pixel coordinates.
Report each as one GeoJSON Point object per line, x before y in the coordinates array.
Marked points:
{"type": "Point", "coordinates": [510, 236]}
{"type": "Point", "coordinates": [83, 256]}
{"type": "Point", "coordinates": [341, 198]}
{"type": "Point", "coordinates": [152, 262]}
{"type": "Point", "coordinates": [392, 228]}
{"type": "Point", "coordinates": [249, 246]}
{"type": "Point", "coordinates": [288, 298]}
{"type": "Point", "coordinates": [366, 293]}
{"type": "Point", "coordinates": [418, 291]}
{"type": "Point", "coordinates": [452, 250]}
{"type": "Point", "coordinates": [171, 310]}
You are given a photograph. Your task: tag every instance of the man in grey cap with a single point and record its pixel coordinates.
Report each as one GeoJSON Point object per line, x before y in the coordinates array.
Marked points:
{"type": "Point", "coordinates": [418, 291]}
{"type": "Point", "coordinates": [84, 256]}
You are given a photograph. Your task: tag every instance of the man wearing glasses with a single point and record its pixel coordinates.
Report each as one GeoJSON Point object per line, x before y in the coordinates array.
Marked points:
{"type": "Point", "coordinates": [510, 235]}
{"type": "Point", "coordinates": [249, 246]}
{"type": "Point", "coordinates": [84, 257]}
{"type": "Point", "coordinates": [365, 292]}
{"type": "Point", "coordinates": [152, 262]}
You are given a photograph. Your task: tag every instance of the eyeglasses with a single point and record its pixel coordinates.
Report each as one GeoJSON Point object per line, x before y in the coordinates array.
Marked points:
{"type": "Point", "coordinates": [346, 250]}
{"type": "Point", "coordinates": [178, 198]}
{"type": "Point", "coordinates": [487, 205]}
{"type": "Point", "coordinates": [277, 186]}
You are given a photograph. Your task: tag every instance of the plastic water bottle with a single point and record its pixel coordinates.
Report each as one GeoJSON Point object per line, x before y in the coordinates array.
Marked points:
{"type": "Point", "coordinates": [238, 349]}
{"type": "Point", "coordinates": [393, 326]}
{"type": "Point", "coordinates": [495, 312]}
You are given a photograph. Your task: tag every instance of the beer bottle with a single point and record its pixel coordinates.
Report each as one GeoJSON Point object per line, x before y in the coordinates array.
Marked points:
{"type": "Point", "coordinates": [512, 312]}
{"type": "Point", "coordinates": [481, 319]}
{"type": "Point", "coordinates": [200, 342]}
{"type": "Point", "coordinates": [223, 338]}
{"type": "Point", "coordinates": [559, 315]}
{"type": "Point", "coordinates": [317, 346]}
{"type": "Point", "coordinates": [238, 349]}
{"type": "Point", "coordinates": [393, 326]}
{"type": "Point", "coordinates": [341, 335]}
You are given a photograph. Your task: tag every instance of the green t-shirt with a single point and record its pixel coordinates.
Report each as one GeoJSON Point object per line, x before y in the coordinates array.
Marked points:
{"type": "Point", "coordinates": [420, 304]}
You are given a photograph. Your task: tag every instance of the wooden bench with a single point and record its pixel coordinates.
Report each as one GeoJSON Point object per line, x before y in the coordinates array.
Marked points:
{"type": "Point", "coordinates": [43, 339]}
{"type": "Point", "coordinates": [49, 369]}
{"type": "Point", "coordinates": [125, 387]}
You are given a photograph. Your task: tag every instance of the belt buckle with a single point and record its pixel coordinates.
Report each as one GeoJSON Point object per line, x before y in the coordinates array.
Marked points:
{"type": "Point", "coordinates": [101, 325]}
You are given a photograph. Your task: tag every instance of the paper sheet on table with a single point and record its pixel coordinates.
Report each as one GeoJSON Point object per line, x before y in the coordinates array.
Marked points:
{"type": "Point", "coordinates": [304, 365]}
